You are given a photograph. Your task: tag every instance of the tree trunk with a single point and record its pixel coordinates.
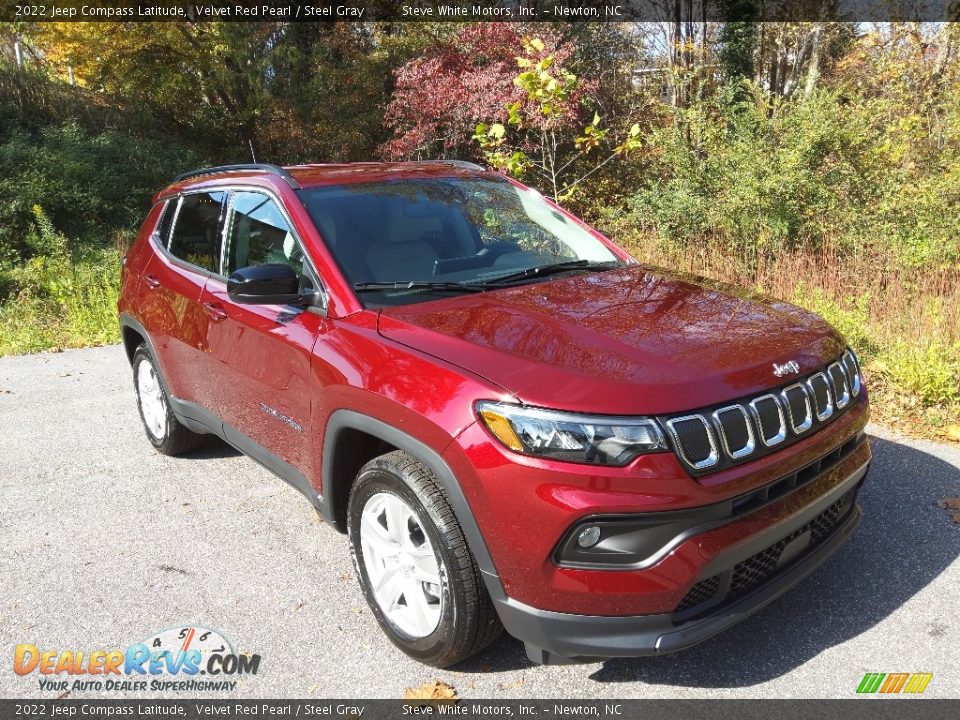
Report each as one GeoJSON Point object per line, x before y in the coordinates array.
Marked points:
{"type": "Point", "coordinates": [761, 53]}
{"type": "Point", "coordinates": [773, 79]}
{"type": "Point", "coordinates": [675, 53]}
{"type": "Point", "coordinates": [813, 70]}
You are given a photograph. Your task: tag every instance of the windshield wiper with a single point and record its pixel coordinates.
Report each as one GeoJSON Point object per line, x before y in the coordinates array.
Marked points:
{"type": "Point", "coordinates": [552, 269]}
{"type": "Point", "coordinates": [416, 285]}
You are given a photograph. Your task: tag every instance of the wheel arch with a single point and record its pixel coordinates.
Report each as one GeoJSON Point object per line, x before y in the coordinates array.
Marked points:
{"type": "Point", "coordinates": [349, 433]}
{"type": "Point", "coordinates": [134, 335]}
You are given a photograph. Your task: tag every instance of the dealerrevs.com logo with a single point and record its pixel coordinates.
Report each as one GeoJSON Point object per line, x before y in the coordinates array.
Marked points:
{"type": "Point", "coordinates": [181, 659]}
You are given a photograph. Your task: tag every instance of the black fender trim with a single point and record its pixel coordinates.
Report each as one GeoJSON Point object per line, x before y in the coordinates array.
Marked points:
{"type": "Point", "coordinates": [184, 411]}
{"type": "Point", "coordinates": [128, 321]}
{"type": "Point", "coordinates": [342, 420]}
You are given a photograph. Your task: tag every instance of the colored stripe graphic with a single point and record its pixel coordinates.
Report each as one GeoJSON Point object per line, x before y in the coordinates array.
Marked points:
{"type": "Point", "coordinates": [893, 683]}
{"type": "Point", "coordinates": [918, 682]}
{"type": "Point", "coordinates": [870, 682]}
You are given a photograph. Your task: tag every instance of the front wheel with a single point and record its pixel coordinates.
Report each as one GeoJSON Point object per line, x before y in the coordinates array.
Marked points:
{"type": "Point", "coordinates": [415, 568]}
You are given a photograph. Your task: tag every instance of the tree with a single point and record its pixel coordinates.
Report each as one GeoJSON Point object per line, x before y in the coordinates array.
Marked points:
{"type": "Point", "coordinates": [439, 97]}
{"type": "Point", "coordinates": [543, 124]}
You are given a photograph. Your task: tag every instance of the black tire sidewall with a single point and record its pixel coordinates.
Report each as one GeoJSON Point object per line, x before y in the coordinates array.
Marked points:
{"type": "Point", "coordinates": [435, 645]}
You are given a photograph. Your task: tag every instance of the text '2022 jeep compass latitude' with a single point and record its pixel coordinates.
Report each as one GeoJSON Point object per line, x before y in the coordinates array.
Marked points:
{"type": "Point", "coordinates": [516, 424]}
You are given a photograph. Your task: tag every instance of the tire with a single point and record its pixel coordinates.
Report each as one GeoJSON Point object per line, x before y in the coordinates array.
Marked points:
{"type": "Point", "coordinates": [465, 619]}
{"type": "Point", "coordinates": [167, 434]}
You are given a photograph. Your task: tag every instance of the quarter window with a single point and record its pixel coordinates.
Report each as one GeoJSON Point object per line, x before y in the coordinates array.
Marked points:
{"type": "Point", "coordinates": [196, 235]}
{"type": "Point", "coordinates": [166, 220]}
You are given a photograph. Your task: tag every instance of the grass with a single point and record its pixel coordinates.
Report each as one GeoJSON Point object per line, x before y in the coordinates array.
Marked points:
{"type": "Point", "coordinates": [903, 322]}
{"type": "Point", "coordinates": [59, 302]}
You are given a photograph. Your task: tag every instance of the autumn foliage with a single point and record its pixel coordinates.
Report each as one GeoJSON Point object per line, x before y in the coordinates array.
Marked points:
{"type": "Point", "coordinates": [439, 97]}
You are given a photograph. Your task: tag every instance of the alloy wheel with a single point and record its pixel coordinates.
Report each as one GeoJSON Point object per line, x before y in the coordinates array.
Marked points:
{"type": "Point", "coordinates": [402, 567]}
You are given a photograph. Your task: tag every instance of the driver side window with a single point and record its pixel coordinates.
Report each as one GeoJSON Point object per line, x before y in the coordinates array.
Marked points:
{"type": "Point", "coordinates": [260, 234]}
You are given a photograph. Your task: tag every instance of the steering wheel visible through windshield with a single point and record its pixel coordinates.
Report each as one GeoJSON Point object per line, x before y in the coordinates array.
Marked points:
{"type": "Point", "coordinates": [396, 239]}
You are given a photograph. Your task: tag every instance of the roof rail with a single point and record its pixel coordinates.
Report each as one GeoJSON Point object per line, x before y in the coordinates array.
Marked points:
{"type": "Point", "coordinates": [458, 163]}
{"type": "Point", "coordinates": [261, 167]}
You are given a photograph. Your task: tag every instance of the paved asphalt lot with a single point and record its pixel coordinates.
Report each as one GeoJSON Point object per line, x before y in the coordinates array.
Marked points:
{"type": "Point", "coordinates": [103, 542]}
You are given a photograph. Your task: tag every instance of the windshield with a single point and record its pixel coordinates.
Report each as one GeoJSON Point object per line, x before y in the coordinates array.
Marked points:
{"type": "Point", "coordinates": [438, 234]}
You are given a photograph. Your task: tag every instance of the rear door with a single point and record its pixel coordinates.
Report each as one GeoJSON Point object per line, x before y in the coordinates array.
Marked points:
{"type": "Point", "coordinates": [260, 354]}
{"type": "Point", "coordinates": [186, 252]}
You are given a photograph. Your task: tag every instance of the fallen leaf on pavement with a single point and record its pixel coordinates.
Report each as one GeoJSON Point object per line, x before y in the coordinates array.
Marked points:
{"type": "Point", "coordinates": [512, 685]}
{"type": "Point", "coordinates": [434, 690]}
{"type": "Point", "coordinates": [953, 433]}
{"type": "Point", "coordinates": [952, 503]}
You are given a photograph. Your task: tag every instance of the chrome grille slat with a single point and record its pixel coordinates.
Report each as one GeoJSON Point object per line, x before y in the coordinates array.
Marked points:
{"type": "Point", "coordinates": [781, 433]}
{"type": "Point", "coordinates": [714, 455]}
{"type": "Point", "coordinates": [713, 439]}
{"type": "Point", "coordinates": [807, 422]}
{"type": "Point", "coordinates": [853, 372]}
{"type": "Point", "coordinates": [827, 412]}
{"type": "Point", "coordinates": [748, 447]}
{"type": "Point", "coordinates": [838, 376]}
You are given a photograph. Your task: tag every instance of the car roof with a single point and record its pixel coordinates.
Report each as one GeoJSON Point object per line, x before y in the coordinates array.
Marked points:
{"type": "Point", "coordinates": [301, 176]}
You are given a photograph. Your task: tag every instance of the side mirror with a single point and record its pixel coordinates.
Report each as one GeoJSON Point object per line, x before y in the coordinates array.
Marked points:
{"type": "Point", "coordinates": [270, 284]}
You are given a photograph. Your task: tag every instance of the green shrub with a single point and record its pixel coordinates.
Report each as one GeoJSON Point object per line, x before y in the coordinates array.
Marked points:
{"type": "Point", "coordinates": [765, 179]}
{"type": "Point", "coordinates": [58, 299]}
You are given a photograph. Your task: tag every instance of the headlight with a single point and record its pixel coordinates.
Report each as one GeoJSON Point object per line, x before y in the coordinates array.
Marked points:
{"type": "Point", "coordinates": [596, 440]}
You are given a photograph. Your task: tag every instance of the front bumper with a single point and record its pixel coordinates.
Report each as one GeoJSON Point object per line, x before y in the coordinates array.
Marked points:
{"type": "Point", "coordinates": [776, 561]}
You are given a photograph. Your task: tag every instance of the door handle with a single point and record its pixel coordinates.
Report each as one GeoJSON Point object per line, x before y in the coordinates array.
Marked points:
{"type": "Point", "coordinates": [215, 311]}
{"type": "Point", "coordinates": [152, 281]}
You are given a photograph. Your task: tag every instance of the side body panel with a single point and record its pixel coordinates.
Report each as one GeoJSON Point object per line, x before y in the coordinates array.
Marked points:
{"type": "Point", "coordinates": [258, 373]}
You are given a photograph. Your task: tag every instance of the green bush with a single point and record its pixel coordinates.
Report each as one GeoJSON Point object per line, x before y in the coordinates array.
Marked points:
{"type": "Point", "coordinates": [58, 299]}
{"type": "Point", "coordinates": [90, 184]}
{"type": "Point", "coordinates": [765, 179]}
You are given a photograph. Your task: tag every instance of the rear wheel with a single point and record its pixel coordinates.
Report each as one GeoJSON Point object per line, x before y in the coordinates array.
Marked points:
{"type": "Point", "coordinates": [167, 434]}
{"type": "Point", "coordinates": [414, 566]}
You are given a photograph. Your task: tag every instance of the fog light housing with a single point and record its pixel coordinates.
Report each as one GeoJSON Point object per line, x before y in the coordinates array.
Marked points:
{"type": "Point", "coordinates": [589, 536]}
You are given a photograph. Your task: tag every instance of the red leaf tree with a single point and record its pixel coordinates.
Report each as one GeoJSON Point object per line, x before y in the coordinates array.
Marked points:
{"type": "Point", "coordinates": [439, 98]}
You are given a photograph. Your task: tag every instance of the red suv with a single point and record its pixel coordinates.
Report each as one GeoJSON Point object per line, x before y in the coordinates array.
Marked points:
{"type": "Point", "coordinates": [516, 424]}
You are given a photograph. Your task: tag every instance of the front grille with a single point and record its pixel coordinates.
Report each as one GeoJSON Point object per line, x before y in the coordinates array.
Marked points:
{"type": "Point", "coordinates": [712, 439]}
{"type": "Point", "coordinates": [769, 415]}
{"type": "Point", "coordinates": [701, 592]}
{"type": "Point", "coordinates": [694, 440]}
{"type": "Point", "coordinates": [822, 400]}
{"type": "Point", "coordinates": [764, 565]}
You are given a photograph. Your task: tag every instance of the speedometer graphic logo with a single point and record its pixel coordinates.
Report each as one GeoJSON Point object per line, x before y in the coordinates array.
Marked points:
{"type": "Point", "coordinates": [183, 639]}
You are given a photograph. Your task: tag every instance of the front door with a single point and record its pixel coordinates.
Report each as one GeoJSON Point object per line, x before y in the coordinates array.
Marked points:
{"type": "Point", "coordinates": [260, 354]}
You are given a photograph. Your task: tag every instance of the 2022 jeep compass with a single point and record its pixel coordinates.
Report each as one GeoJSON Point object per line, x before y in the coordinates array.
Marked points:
{"type": "Point", "coordinates": [516, 424]}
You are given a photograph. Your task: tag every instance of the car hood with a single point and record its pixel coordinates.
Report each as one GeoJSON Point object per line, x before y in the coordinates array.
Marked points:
{"type": "Point", "coordinates": [634, 340]}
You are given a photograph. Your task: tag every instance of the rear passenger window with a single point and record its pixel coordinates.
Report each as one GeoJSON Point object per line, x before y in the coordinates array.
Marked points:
{"type": "Point", "coordinates": [196, 236]}
{"type": "Point", "coordinates": [260, 234]}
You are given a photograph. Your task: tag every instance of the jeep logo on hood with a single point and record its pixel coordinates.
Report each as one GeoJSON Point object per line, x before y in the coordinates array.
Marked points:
{"type": "Point", "coordinates": [791, 366]}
